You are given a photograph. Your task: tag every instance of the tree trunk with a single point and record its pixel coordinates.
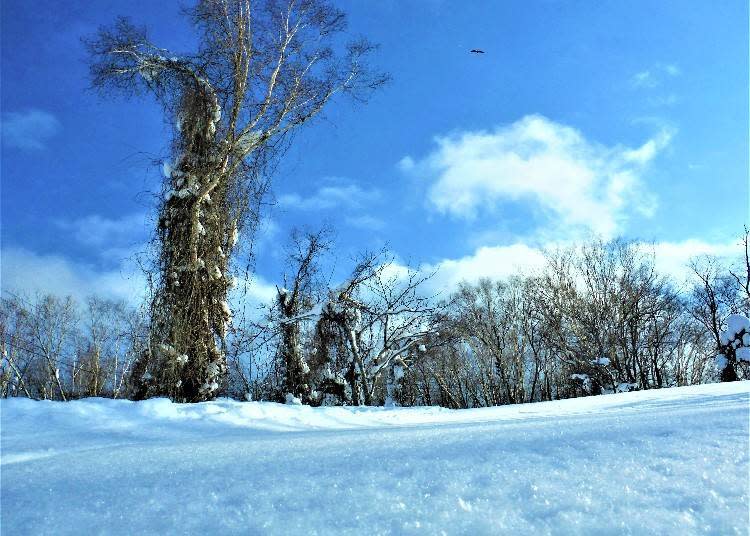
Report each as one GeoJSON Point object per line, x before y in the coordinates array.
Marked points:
{"type": "Point", "coordinates": [189, 313]}
{"type": "Point", "coordinates": [728, 373]}
{"type": "Point", "coordinates": [295, 369]}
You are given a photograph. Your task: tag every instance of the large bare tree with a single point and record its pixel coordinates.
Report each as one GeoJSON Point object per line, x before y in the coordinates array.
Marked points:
{"type": "Point", "coordinates": [262, 70]}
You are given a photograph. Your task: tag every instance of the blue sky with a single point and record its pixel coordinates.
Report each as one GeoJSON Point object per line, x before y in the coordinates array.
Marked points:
{"type": "Point", "coordinates": [610, 118]}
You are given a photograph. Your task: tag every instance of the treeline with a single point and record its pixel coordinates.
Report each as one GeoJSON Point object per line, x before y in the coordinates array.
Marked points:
{"type": "Point", "coordinates": [54, 348]}
{"type": "Point", "coordinates": [597, 318]}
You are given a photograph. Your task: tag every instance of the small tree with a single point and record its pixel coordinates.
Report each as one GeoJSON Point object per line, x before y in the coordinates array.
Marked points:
{"type": "Point", "coordinates": [295, 300]}
{"type": "Point", "coordinates": [734, 347]}
{"type": "Point", "coordinates": [715, 299]}
{"type": "Point", "coordinates": [261, 71]}
{"type": "Point", "coordinates": [51, 348]}
{"type": "Point", "coordinates": [741, 274]}
{"type": "Point", "coordinates": [380, 319]}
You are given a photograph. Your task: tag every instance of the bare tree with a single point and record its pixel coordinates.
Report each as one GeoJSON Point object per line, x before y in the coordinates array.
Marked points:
{"type": "Point", "coordinates": [251, 343]}
{"type": "Point", "coordinates": [742, 275]}
{"type": "Point", "coordinates": [112, 334]}
{"type": "Point", "coordinates": [295, 301]}
{"type": "Point", "coordinates": [720, 294]}
{"type": "Point", "coordinates": [509, 360]}
{"type": "Point", "coordinates": [54, 349]}
{"type": "Point", "coordinates": [445, 375]}
{"type": "Point", "coordinates": [261, 71]}
{"type": "Point", "coordinates": [381, 320]}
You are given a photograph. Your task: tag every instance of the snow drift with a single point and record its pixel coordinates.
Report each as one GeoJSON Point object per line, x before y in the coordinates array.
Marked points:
{"type": "Point", "coordinates": [673, 461]}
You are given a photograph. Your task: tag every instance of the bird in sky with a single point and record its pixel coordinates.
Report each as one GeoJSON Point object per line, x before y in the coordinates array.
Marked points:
{"type": "Point", "coordinates": [476, 51]}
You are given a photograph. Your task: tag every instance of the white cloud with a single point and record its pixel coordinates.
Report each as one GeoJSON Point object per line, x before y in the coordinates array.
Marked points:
{"type": "Point", "coordinates": [330, 197]}
{"type": "Point", "coordinates": [672, 70]}
{"type": "Point", "coordinates": [369, 223]}
{"type": "Point", "coordinates": [253, 296]}
{"type": "Point", "coordinates": [406, 163]}
{"type": "Point", "coordinates": [494, 262]}
{"type": "Point", "coordinates": [500, 262]}
{"type": "Point", "coordinates": [28, 130]}
{"type": "Point", "coordinates": [674, 258]}
{"type": "Point", "coordinates": [655, 76]}
{"type": "Point", "coordinates": [663, 100]}
{"type": "Point", "coordinates": [115, 242]}
{"type": "Point", "coordinates": [266, 239]}
{"type": "Point", "coordinates": [648, 151]}
{"type": "Point", "coordinates": [96, 230]}
{"type": "Point", "coordinates": [27, 272]}
{"type": "Point", "coordinates": [576, 183]}
{"type": "Point", "coordinates": [644, 79]}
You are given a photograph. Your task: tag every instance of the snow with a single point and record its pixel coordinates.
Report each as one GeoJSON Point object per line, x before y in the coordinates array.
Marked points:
{"type": "Point", "coordinates": [735, 324]}
{"type": "Point", "coordinates": [721, 361]}
{"type": "Point", "coordinates": [743, 354]}
{"type": "Point", "coordinates": [248, 141]}
{"type": "Point", "coordinates": [293, 400]}
{"type": "Point", "coordinates": [226, 310]}
{"type": "Point", "coordinates": [166, 169]}
{"type": "Point", "coordinates": [398, 372]}
{"type": "Point", "coordinates": [670, 461]}
{"type": "Point", "coordinates": [584, 379]}
{"type": "Point", "coordinates": [182, 193]}
{"type": "Point", "coordinates": [233, 236]}
{"type": "Point", "coordinates": [626, 387]}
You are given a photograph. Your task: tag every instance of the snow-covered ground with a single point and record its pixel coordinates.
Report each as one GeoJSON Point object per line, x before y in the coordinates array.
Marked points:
{"type": "Point", "coordinates": [673, 461]}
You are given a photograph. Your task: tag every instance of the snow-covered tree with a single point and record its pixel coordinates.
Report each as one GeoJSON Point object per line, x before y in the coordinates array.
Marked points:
{"type": "Point", "coordinates": [261, 71]}
{"type": "Point", "coordinates": [380, 320]}
{"type": "Point", "coordinates": [717, 305]}
{"type": "Point", "coordinates": [734, 347]}
{"type": "Point", "coordinates": [294, 303]}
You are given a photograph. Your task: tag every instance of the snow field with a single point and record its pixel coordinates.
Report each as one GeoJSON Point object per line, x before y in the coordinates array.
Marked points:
{"type": "Point", "coordinates": [673, 461]}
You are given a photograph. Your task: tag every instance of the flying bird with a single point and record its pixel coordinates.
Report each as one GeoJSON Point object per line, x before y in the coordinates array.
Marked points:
{"type": "Point", "coordinates": [476, 51]}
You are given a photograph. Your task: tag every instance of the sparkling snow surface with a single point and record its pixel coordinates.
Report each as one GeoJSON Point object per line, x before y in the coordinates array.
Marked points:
{"type": "Point", "coordinates": [673, 461]}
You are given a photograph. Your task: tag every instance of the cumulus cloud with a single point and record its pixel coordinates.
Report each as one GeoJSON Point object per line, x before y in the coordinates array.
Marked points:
{"type": "Point", "coordinates": [575, 183]}
{"type": "Point", "coordinates": [329, 197]}
{"type": "Point", "coordinates": [252, 296]}
{"type": "Point", "coordinates": [674, 258]}
{"type": "Point", "coordinates": [28, 130]}
{"type": "Point", "coordinates": [671, 258]}
{"type": "Point", "coordinates": [114, 242]}
{"type": "Point", "coordinates": [406, 163]}
{"type": "Point", "coordinates": [494, 262]}
{"type": "Point", "coordinates": [28, 272]}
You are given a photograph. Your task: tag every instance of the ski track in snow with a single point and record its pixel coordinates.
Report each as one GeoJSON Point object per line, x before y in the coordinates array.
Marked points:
{"type": "Point", "coordinates": [672, 461]}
